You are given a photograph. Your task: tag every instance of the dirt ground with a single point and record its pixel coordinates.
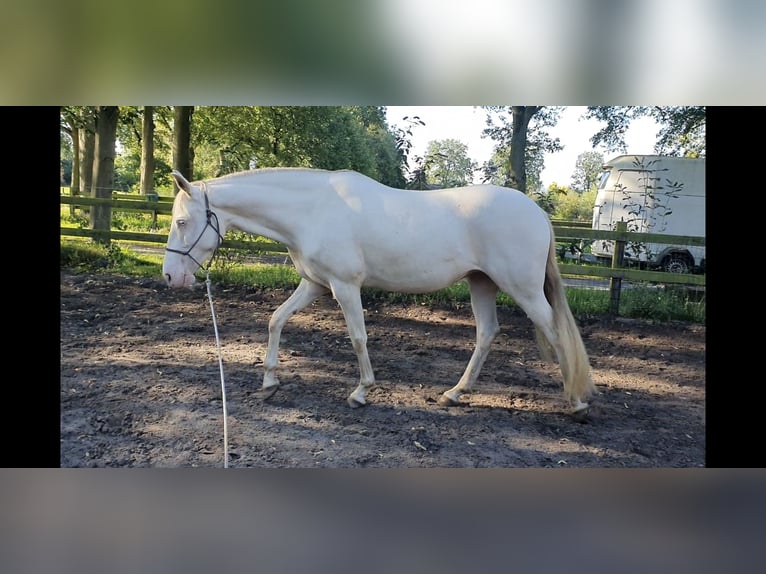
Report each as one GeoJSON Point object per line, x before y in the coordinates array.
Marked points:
{"type": "Point", "coordinates": [141, 386]}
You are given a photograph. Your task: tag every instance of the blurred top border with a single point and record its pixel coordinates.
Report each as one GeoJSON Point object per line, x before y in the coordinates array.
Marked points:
{"type": "Point", "coordinates": [337, 52]}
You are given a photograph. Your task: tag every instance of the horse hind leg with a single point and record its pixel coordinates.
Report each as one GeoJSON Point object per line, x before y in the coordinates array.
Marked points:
{"type": "Point", "coordinates": [562, 338]}
{"type": "Point", "coordinates": [484, 305]}
{"type": "Point", "coordinates": [306, 292]}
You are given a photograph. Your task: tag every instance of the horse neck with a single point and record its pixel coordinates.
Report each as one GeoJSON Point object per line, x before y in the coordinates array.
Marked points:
{"type": "Point", "coordinates": [260, 208]}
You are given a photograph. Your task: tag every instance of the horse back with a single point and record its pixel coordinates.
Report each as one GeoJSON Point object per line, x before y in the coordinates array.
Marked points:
{"type": "Point", "coordinates": [421, 241]}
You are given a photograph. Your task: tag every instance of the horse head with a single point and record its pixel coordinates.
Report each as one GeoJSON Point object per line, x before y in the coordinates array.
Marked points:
{"type": "Point", "coordinates": [195, 233]}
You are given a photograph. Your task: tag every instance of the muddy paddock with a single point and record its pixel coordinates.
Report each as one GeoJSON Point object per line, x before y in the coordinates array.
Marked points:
{"type": "Point", "coordinates": [141, 386]}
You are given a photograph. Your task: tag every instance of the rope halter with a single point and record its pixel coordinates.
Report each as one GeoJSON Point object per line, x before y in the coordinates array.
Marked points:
{"type": "Point", "coordinates": [211, 221]}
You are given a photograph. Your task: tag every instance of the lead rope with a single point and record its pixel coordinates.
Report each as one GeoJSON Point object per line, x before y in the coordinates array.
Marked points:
{"type": "Point", "coordinates": [220, 365]}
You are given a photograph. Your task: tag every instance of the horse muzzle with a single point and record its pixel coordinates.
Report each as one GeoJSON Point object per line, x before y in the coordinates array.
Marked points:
{"type": "Point", "coordinates": [180, 280]}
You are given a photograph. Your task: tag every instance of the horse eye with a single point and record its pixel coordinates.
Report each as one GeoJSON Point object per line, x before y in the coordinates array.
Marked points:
{"type": "Point", "coordinates": [180, 222]}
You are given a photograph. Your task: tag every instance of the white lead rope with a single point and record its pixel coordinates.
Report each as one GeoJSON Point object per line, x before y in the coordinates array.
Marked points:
{"type": "Point", "coordinates": [223, 386]}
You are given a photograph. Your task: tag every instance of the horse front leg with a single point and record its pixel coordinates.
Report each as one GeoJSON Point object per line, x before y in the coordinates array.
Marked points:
{"type": "Point", "coordinates": [350, 301]}
{"type": "Point", "coordinates": [306, 292]}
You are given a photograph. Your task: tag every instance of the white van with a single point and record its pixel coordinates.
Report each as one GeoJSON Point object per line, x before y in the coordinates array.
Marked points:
{"type": "Point", "coordinates": [653, 194]}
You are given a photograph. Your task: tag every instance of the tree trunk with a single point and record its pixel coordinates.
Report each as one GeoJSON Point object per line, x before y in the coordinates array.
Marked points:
{"type": "Point", "coordinates": [182, 153]}
{"type": "Point", "coordinates": [518, 174]}
{"type": "Point", "coordinates": [147, 151]}
{"type": "Point", "coordinates": [103, 168]}
{"type": "Point", "coordinates": [74, 189]}
{"type": "Point", "coordinates": [87, 144]}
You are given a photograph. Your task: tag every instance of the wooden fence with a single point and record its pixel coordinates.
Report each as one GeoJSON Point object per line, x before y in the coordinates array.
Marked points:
{"type": "Point", "coordinates": [565, 231]}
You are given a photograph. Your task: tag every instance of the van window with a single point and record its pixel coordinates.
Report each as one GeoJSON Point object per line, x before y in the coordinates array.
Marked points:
{"type": "Point", "coordinates": [604, 178]}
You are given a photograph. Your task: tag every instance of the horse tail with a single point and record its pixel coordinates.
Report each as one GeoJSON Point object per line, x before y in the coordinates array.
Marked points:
{"type": "Point", "coordinates": [572, 357]}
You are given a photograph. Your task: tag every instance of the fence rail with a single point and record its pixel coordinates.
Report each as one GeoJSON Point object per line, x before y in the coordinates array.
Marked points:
{"type": "Point", "coordinates": [564, 230]}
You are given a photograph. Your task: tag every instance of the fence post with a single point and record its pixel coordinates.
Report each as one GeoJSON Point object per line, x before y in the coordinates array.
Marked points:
{"type": "Point", "coordinates": [615, 283]}
{"type": "Point", "coordinates": [153, 196]}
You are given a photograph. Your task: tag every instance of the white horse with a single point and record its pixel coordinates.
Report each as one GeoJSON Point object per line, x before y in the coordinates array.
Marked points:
{"type": "Point", "coordinates": [343, 231]}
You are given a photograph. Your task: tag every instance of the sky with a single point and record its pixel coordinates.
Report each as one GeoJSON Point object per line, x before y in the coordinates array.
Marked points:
{"type": "Point", "coordinates": [465, 123]}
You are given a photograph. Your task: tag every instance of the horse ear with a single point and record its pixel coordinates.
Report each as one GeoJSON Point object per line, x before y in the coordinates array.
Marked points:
{"type": "Point", "coordinates": [181, 181]}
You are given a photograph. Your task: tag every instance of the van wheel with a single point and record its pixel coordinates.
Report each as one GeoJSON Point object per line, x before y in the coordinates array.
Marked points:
{"type": "Point", "coordinates": [677, 263]}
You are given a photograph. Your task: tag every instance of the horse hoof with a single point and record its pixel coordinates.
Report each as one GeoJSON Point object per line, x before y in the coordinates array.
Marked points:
{"type": "Point", "coordinates": [445, 401]}
{"type": "Point", "coordinates": [267, 393]}
{"type": "Point", "coordinates": [354, 404]}
{"type": "Point", "coordinates": [582, 416]}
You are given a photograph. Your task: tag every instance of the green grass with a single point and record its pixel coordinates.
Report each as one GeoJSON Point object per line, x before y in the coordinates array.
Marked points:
{"type": "Point", "coordinates": [671, 303]}
{"type": "Point", "coordinates": [640, 302]}
{"type": "Point", "coordinates": [141, 222]}
{"type": "Point", "coordinates": [258, 275]}
{"type": "Point", "coordinates": [87, 256]}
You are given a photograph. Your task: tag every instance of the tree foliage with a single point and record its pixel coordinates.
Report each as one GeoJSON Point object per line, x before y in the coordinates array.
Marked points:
{"type": "Point", "coordinates": [682, 128]}
{"type": "Point", "coordinates": [573, 205]}
{"type": "Point", "coordinates": [447, 164]}
{"type": "Point", "coordinates": [403, 137]}
{"type": "Point", "coordinates": [566, 203]}
{"type": "Point", "coordinates": [78, 130]}
{"type": "Point", "coordinates": [521, 135]}
{"type": "Point", "coordinates": [235, 138]}
{"type": "Point", "coordinates": [588, 169]}
{"type": "Point", "coordinates": [225, 139]}
{"type": "Point", "coordinates": [522, 139]}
